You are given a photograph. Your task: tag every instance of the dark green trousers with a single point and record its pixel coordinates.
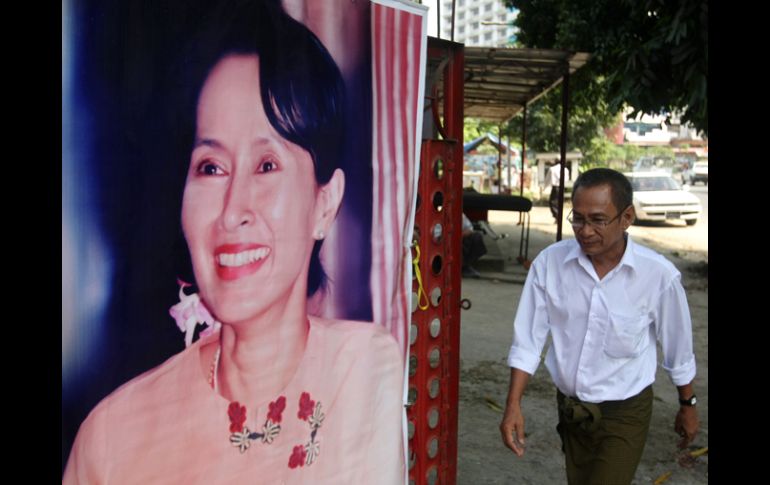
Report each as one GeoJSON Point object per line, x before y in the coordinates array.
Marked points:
{"type": "Point", "coordinates": [603, 442]}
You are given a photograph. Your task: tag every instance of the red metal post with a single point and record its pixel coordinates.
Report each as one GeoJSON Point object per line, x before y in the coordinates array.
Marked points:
{"type": "Point", "coordinates": [434, 356]}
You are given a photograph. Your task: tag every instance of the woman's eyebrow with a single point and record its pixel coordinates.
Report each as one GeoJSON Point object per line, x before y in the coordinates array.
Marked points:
{"type": "Point", "coordinates": [207, 142]}
{"type": "Point", "coordinates": [260, 141]}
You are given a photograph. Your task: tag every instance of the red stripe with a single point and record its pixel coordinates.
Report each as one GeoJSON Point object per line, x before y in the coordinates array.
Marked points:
{"type": "Point", "coordinates": [405, 42]}
{"type": "Point", "coordinates": [386, 119]}
{"type": "Point", "coordinates": [395, 167]}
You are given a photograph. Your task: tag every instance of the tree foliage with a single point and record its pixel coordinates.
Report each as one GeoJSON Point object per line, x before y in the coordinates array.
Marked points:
{"type": "Point", "coordinates": [588, 115]}
{"type": "Point", "coordinates": [649, 54]}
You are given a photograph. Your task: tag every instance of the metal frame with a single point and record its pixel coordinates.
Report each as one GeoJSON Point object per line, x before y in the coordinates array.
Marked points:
{"type": "Point", "coordinates": [434, 358]}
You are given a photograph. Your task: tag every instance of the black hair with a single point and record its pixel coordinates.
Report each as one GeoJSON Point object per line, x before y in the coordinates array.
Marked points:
{"type": "Point", "coordinates": [620, 187]}
{"type": "Point", "coordinates": [301, 86]}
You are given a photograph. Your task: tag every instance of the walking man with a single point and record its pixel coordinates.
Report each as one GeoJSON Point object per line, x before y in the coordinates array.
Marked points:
{"type": "Point", "coordinates": [553, 180]}
{"type": "Point", "coordinates": [604, 300]}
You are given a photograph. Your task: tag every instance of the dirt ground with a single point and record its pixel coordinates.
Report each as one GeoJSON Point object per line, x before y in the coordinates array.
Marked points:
{"type": "Point", "coordinates": [486, 336]}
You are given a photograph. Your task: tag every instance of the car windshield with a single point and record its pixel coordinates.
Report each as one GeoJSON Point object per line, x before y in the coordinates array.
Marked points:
{"type": "Point", "coordinates": [643, 184]}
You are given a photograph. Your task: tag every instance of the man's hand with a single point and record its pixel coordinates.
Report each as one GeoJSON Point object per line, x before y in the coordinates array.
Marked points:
{"type": "Point", "coordinates": [512, 428]}
{"type": "Point", "coordinates": [686, 425]}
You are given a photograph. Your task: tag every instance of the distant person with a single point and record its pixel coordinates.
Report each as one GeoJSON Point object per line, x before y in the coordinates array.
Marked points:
{"type": "Point", "coordinates": [604, 300]}
{"type": "Point", "coordinates": [553, 180]}
{"type": "Point", "coordinates": [473, 248]}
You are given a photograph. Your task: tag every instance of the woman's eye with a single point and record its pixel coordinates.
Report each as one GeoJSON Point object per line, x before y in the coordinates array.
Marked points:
{"type": "Point", "coordinates": [209, 168]}
{"type": "Point", "coordinates": [267, 166]}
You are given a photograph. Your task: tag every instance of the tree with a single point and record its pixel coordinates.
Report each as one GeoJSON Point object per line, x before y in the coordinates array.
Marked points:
{"type": "Point", "coordinates": [474, 128]}
{"type": "Point", "coordinates": [649, 54]}
{"type": "Point", "coordinates": [588, 115]}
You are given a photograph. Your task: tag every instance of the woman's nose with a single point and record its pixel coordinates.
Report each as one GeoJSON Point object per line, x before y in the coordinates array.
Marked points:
{"type": "Point", "coordinates": [237, 210]}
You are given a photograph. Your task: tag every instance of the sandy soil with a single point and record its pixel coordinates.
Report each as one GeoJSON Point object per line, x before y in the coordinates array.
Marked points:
{"type": "Point", "coordinates": [486, 335]}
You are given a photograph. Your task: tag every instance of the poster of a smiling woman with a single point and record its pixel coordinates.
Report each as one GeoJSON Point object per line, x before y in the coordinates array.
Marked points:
{"type": "Point", "coordinates": [238, 188]}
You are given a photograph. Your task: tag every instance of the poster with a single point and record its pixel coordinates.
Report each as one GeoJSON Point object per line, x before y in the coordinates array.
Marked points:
{"type": "Point", "coordinates": [134, 221]}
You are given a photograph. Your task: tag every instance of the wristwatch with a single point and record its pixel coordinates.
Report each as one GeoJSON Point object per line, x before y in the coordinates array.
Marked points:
{"type": "Point", "coordinates": [688, 402]}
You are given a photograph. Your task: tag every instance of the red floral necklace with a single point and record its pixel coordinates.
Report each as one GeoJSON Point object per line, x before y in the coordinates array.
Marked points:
{"type": "Point", "coordinates": [241, 436]}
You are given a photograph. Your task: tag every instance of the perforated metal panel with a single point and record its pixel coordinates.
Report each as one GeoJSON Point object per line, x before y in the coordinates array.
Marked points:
{"type": "Point", "coordinates": [434, 358]}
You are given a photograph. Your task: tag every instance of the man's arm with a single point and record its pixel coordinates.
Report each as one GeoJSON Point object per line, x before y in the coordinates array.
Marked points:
{"type": "Point", "coordinates": [674, 328]}
{"type": "Point", "coordinates": [686, 423]}
{"type": "Point", "coordinates": [531, 329]}
{"type": "Point", "coordinates": [512, 427]}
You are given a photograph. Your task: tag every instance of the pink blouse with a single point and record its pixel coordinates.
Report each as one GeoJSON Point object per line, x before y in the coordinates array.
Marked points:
{"type": "Point", "coordinates": [339, 420]}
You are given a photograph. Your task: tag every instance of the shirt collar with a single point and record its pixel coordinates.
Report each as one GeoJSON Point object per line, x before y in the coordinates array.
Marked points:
{"type": "Point", "coordinates": [628, 258]}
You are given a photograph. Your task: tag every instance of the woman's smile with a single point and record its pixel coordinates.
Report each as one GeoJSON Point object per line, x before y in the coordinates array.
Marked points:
{"type": "Point", "coordinates": [234, 261]}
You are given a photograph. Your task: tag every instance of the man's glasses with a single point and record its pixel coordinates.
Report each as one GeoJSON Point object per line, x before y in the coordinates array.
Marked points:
{"type": "Point", "coordinates": [597, 224]}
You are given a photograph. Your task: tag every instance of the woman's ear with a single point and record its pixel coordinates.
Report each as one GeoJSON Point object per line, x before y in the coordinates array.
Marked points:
{"type": "Point", "coordinates": [328, 203]}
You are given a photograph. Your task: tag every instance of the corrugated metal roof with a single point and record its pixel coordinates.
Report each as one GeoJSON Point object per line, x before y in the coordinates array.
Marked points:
{"type": "Point", "coordinates": [499, 82]}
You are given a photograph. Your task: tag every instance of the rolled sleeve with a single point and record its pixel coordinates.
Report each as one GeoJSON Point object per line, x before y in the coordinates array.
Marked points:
{"type": "Point", "coordinates": [523, 359]}
{"type": "Point", "coordinates": [674, 329]}
{"type": "Point", "coordinates": [530, 327]}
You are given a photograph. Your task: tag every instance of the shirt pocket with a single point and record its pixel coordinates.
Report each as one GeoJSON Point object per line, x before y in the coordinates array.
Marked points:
{"type": "Point", "coordinates": [627, 336]}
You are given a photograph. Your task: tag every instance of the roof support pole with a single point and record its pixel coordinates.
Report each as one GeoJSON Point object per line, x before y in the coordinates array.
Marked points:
{"type": "Point", "coordinates": [508, 153]}
{"type": "Point", "coordinates": [500, 158]}
{"type": "Point", "coordinates": [564, 115]}
{"type": "Point", "coordinates": [523, 158]}
{"type": "Point", "coordinates": [452, 33]}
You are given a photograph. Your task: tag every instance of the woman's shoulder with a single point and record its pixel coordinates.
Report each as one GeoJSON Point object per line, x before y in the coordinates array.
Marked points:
{"type": "Point", "coordinates": [138, 404]}
{"type": "Point", "coordinates": [151, 386]}
{"type": "Point", "coordinates": [365, 340]}
{"type": "Point", "coordinates": [353, 331]}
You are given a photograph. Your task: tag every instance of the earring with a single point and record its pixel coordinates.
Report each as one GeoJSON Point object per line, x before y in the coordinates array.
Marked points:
{"type": "Point", "coordinates": [320, 235]}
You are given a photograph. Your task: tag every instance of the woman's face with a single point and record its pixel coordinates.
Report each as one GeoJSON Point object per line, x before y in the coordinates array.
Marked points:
{"type": "Point", "coordinates": [251, 206]}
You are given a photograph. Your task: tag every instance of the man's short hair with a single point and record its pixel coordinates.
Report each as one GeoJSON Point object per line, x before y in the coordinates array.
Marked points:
{"type": "Point", "coordinates": [622, 193]}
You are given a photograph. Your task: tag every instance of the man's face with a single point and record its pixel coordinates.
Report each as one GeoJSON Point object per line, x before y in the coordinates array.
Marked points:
{"type": "Point", "coordinates": [594, 206]}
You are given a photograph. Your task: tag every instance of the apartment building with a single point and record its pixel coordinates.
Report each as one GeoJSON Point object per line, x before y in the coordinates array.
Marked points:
{"type": "Point", "coordinates": [486, 23]}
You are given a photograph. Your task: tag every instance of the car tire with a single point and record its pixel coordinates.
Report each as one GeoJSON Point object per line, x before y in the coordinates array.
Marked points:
{"type": "Point", "coordinates": [691, 222]}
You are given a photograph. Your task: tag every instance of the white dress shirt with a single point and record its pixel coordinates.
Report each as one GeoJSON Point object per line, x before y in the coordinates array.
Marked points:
{"type": "Point", "coordinates": [553, 179]}
{"type": "Point", "coordinates": [603, 332]}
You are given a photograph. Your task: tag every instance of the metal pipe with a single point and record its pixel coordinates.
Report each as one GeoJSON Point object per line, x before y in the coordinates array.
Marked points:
{"type": "Point", "coordinates": [523, 151]}
{"type": "Point", "coordinates": [452, 33]}
{"type": "Point", "coordinates": [508, 152]}
{"type": "Point", "coordinates": [564, 114]}
{"type": "Point", "coordinates": [523, 159]}
{"type": "Point", "coordinates": [499, 159]}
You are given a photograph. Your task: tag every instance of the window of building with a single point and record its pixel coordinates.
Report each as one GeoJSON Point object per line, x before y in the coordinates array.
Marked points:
{"type": "Point", "coordinates": [474, 40]}
{"type": "Point", "coordinates": [488, 36]}
{"type": "Point", "coordinates": [488, 7]}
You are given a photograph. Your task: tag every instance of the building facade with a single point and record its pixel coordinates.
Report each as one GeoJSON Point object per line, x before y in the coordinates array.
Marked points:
{"type": "Point", "coordinates": [486, 23]}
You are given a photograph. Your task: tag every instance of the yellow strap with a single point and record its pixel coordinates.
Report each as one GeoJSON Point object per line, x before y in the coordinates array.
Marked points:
{"type": "Point", "coordinates": [420, 289]}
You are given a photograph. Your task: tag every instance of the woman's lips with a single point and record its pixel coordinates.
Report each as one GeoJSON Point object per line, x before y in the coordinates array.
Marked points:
{"type": "Point", "coordinates": [234, 261]}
